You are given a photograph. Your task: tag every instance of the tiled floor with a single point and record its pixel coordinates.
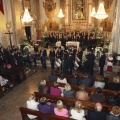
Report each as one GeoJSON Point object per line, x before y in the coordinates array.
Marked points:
{"type": "Point", "coordinates": [10, 103]}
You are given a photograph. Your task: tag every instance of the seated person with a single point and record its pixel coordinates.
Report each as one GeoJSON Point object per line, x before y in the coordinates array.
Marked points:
{"type": "Point", "coordinates": [82, 94]}
{"type": "Point", "coordinates": [99, 83]}
{"type": "Point", "coordinates": [67, 92]}
{"type": "Point", "coordinates": [114, 114]}
{"type": "Point", "coordinates": [61, 79]}
{"type": "Point", "coordinates": [98, 96]}
{"type": "Point", "coordinates": [115, 85]}
{"type": "Point", "coordinates": [12, 72]}
{"type": "Point", "coordinates": [43, 88]}
{"type": "Point", "coordinates": [98, 114]}
{"type": "Point", "coordinates": [32, 104]}
{"type": "Point", "coordinates": [60, 110]}
{"type": "Point", "coordinates": [74, 79]}
{"type": "Point", "coordinates": [54, 90]}
{"type": "Point", "coordinates": [4, 82]}
{"type": "Point", "coordinates": [86, 81]}
{"type": "Point", "coordinates": [52, 77]}
{"type": "Point", "coordinates": [45, 107]}
{"type": "Point", "coordinates": [77, 113]}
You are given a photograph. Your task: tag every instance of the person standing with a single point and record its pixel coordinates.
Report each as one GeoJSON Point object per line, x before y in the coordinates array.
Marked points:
{"type": "Point", "coordinates": [52, 57]}
{"type": "Point", "coordinates": [43, 55]}
{"type": "Point", "coordinates": [102, 63]}
{"type": "Point", "coordinates": [109, 63]}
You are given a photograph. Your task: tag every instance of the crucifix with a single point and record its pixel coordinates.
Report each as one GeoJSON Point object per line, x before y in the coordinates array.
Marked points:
{"type": "Point", "coordinates": [9, 33]}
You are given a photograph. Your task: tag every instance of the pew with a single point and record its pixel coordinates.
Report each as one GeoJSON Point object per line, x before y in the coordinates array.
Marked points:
{"type": "Point", "coordinates": [89, 89]}
{"type": "Point", "coordinates": [25, 111]}
{"type": "Point", "coordinates": [19, 69]}
{"type": "Point", "coordinates": [70, 101]}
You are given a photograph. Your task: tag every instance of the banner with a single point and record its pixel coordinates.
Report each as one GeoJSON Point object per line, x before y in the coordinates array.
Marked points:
{"type": "Point", "coordinates": [1, 6]}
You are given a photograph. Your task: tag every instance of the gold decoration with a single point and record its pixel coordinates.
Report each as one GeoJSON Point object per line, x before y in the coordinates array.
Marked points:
{"type": "Point", "coordinates": [49, 6]}
{"type": "Point", "coordinates": [51, 25]}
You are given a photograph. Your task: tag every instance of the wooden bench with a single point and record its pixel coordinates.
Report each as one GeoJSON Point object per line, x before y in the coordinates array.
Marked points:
{"type": "Point", "coordinates": [20, 69]}
{"type": "Point", "coordinates": [25, 111]}
{"type": "Point", "coordinates": [89, 89]}
{"type": "Point", "coordinates": [70, 101]}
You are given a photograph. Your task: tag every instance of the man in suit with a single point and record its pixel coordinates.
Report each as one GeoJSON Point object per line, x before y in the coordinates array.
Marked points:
{"type": "Point", "coordinates": [86, 81]}
{"type": "Point", "coordinates": [43, 55]}
{"type": "Point", "coordinates": [91, 58]}
{"type": "Point", "coordinates": [102, 63]}
{"type": "Point", "coordinates": [52, 77]}
{"type": "Point", "coordinates": [98, 114]}
{"type": "Point", "coordinates": [52, 57]}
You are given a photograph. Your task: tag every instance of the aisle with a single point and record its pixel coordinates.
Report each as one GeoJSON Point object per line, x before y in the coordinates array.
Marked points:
{"type": "Point", "coordinates": [10, 103]}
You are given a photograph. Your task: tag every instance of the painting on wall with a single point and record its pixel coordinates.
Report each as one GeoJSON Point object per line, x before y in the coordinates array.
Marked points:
{"type": "Point", "coordinates": [78, 9]}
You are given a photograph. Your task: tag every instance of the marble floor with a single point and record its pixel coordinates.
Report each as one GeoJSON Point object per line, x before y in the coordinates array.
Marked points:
{"type": "Point", "coordinates": [10, 103]}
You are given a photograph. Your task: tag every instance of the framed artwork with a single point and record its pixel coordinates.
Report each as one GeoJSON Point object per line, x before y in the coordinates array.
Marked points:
{"type": "Point", "coordinates": [78, 9]}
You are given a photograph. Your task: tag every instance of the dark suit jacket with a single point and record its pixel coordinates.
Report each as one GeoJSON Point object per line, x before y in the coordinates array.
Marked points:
{"type": "Point", "coordinates": [52, 78]}
{"type": "Point", "coordinates": [86, 81]}
{"type": "Point", "coordinates": [102, 60]}
{"type": "Point", "coordinates": [95, 115]}
{"type": "Point", "coordinates": [73, 81]}
{"type": "Point", "coordinates": [43, 53]}
{"type": "Point", "coordinates": [112, 86]}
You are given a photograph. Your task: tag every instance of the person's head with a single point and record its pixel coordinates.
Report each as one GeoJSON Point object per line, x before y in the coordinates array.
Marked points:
{"type": "Point", "coordinates": [43, 100]}
{"type": "Point", "coordinates": [56, 84]}
{"type": "Point", "coordinates": [116, 110]}
{"type": "Point", "coordinates": [98, 107]}
{"type": "Point", "coordinates": [116, 79]}
{"type": "Point", "coordinates": [59, 105]}
{"type": "Point", "coordinates": [82, 87]}
{"type": "Point", "coordinates": [85, 75]}
{"type": "Point", "coordinates": [43, 82]}
{"type": "Point", "coordinates": [67, 87]}
{"type": "Point", "coordinates": [98, 90]}
{"type": "Point", "coordinates": [78, 106]}
{"type": "Point", "coordinates": [32, 97]}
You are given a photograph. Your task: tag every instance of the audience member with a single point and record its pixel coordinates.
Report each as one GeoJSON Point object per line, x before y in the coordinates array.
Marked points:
{"type": "Point", "coordinates": [77, 113]}
{"type": "Point", "coordinates": [98, 114]}
{"type": "Point", "coordinates": [114, 114]}
{"type": "Point", "coordinates": [82, 94]}
{"type": "Point", "coordinates": [115, 85]}
{"type": "Point", "coordinates": [98, 96]}
{"type": "Point", "coordinates": [32, 104]}
{"type": "Point", "coordinates": [67, 92]}
{"type": "Point", "coordinates": [54, 90]}
{"type": "Point", "coordinates": [45, 106]}
{"type": "Point", "coordinates": [43, 88]}
{"type": "Point", "coordinates": [52, 77]}
{"type": "Point", "coordinates": [74, 79]}
{"type": "Point", "coordinates": [61, 79]}
{"type": "Point", "coordinates": [86, 81]}
{"type": "Point", "coordinates": [60, 110]}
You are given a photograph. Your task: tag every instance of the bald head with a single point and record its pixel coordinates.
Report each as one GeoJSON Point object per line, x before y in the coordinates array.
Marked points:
{"type": "Point", "coordinates": [98, 106]}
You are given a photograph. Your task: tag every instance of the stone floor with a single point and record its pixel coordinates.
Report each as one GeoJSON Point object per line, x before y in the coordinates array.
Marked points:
{"type": "Point", "coordinates": [10, 103]}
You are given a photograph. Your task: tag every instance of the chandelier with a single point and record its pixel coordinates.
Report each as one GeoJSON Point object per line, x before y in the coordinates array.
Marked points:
{"type": "Point", "coordinates": [101, 14]}
{"type": "Point", "coordinates": [27, 16]}
{"type": "Point", "coordinates": [60, 15]}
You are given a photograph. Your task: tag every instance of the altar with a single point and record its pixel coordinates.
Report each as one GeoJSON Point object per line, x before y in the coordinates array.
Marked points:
{"type": "Point", "coordinates": [69, 43]}
{"type": "Point", "coordinates": [73, 43]}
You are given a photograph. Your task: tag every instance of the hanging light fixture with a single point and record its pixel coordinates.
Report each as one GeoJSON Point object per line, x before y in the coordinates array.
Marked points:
{"type": "Point", "coordinates": [60, 15]}
{"type": "Point", "coordinates": [26, 16]}
{"type": "Point", "coordinates": [93, 12]}
{"type": "Point", "coordinates": [101, 14]}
